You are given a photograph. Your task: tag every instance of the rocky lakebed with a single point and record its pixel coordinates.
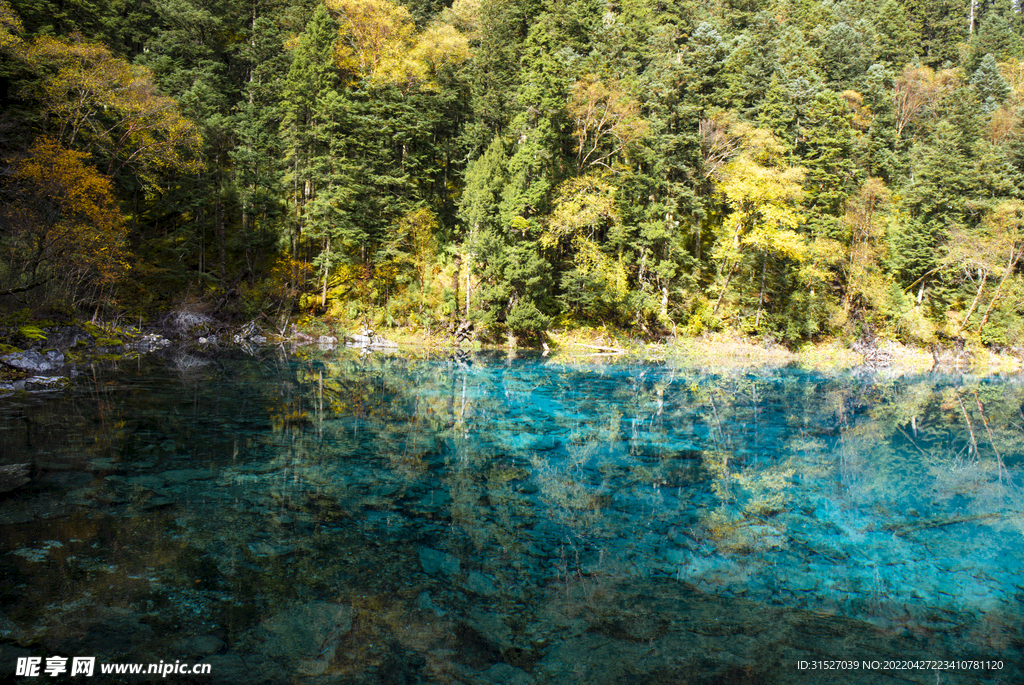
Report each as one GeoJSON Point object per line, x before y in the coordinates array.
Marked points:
{"type": "Point", "coordinates": [328, 517]}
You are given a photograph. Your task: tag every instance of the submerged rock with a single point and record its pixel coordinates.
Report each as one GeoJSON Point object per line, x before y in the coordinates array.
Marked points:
{"type": "Point", "coordinates": [104, 631]}
{"type": "Point", "coordinates": [488, 629]}
{"type": "Point", "coordinates": [480, 584]}
{"type": "Point", "coordinates": [268, 549]}
{"type": "Point", "coordinates": [9, 655]}
{"type": "Point", "coordinates": [306, 633]}
{"type": "Point", "coordinates": [435, 562]}
{"type": "Point", "coordinates": [13, 476]}
{"type": "Point", "coordinates": [231, 669]}
{"type": "Point", "coordinates": [9, 630]}
{"type": "Point", "coordinates": [503, 674]}
{"type": "Point", "coordinates": [426, 604]}
{"type": "Point", "coordinates": [198, 645]}
{"type": "Point", "coordinates": [178, 476]}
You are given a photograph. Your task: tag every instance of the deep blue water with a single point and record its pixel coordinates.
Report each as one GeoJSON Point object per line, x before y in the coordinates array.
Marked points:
{"type": "Point", "coordinates": [331, 518]}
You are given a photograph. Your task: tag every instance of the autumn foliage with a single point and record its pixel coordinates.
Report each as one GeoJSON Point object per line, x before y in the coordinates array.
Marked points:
{"type": "Point", "coordinates": [110, 106]}
{"type": "Point", "coordinates": [65, 223]}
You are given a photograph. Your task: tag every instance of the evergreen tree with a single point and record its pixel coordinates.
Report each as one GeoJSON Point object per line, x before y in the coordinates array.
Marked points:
{"type": "Point", "coordinates": [495, 70]}
{"type": "Point", "coordinates": [995, 36]}
{"type": "Point", "coordinates": [705, 57]}
{"type": "Point", "coordinates": [826, 152]}
{"type": "Point", "coordinates": [881, 158]}
{"type": "Point", "coordinates": [846, 54]}
{"type": "Point", "coordinates": [990, 85]}
{"type": "Point", "coordinates": [257, 155]}
{"type": "Point", "coordinates": [941, 25]}
{"type": "Point", "coordinates": [751, 63]}
{"type": "Point", "coordinates": [310, 78]}
{"type": "Point", "coordinates": [897, 40]}
{"type": "Point", "coordinates": [937, 200]}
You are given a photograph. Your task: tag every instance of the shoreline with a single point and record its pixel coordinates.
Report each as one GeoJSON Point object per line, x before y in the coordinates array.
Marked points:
{"type": "Point", "coordinates": [729, 351]}
{"type": "Point", "coordinates": [721, 351]}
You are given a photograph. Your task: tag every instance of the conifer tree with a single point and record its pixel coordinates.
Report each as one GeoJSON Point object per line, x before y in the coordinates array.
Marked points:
{"type": "Point", "coordinates": [897, 40]}
{"type": "Point", "coordinates": [990, 85]}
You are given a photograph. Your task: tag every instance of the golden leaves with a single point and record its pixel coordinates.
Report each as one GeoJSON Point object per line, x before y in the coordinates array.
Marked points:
{"type": "Point", "coordinates": [69, 209]}
{"type": "Point", "coordinates": [378, 39]}
{"type": "Point", "coordinates": [607, 121]}
{"type": "Point", "coordinates": [10, 28]}
{"type": "Point", "coordinates": [583, 204]}
{"type": "Point", "coordinates": [765, 202]}
{"type": "Point", "coordinates": [441, 44]}
{"type": "Point", "coordinates": [463, 15]}
{"type": "Point", "coordinates": [373, 32]}
{"type": "Point", "coordinates": [111, 105]}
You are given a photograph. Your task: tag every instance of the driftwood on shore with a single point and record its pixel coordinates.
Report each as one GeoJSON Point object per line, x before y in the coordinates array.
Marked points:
{"type": "Point", "coordinates": [603, 349]}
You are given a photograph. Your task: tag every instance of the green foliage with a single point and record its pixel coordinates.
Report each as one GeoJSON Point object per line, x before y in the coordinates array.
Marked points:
{"type": "Point", "coordinates": [992, 88]}
{"type": "Point", "coordinates": [32, 333]}
{"type": "Point", "coordinates": [802, 170]}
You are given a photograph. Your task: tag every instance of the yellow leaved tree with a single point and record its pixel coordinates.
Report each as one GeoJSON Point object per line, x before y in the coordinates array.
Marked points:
{"type": "Point", "coordinates": [991, 251]}
{"type": "Point", "coordinates": [867, 285]}
{"type": "Point", "coordinates": [584, 216]}
{"type": "Point", "coordinates": [762, 193]}
{"type": "Point", "coordinates": [107, 105]}
{"type": "Point", "coordinates": [606, 119]}
{"type": "Point", "coordinates": [378, 40]}
{"type": "Point", "coordinates": [10, 28]}
{"type": "Point", "coordinates": [64, 222]}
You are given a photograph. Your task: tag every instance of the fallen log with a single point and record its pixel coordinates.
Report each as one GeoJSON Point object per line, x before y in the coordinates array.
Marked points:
{"type": "Point", "coordinates": [609, 350]}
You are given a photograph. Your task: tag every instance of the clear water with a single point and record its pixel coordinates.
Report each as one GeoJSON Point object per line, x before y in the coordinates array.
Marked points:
{"type": "Point", "coordinates": [331, 518]}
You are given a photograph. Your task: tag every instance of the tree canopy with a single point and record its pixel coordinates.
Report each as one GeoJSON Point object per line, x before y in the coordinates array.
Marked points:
{"type": "Point", "coordinates": [792, 170]}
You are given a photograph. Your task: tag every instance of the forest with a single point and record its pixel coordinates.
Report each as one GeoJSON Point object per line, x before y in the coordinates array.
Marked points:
{"type": "Point", "coordinates": [787, 169]}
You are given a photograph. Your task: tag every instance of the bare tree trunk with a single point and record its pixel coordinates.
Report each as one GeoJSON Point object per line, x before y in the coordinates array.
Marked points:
{"type": "Point", "coordinates": [327, 268]}
{"type": "Point", "coordinates": [221, 230]}
{"type": "Point", "coordinates": [724, 287]}
{"type": "Point", "coordinates": [995, 295]}
{"type": "Point", "coordinates": [469, 270]}
{"type": "Point", "coordinates": [760, 298]}
{"type": "Point", "coordinates": [974, 304]}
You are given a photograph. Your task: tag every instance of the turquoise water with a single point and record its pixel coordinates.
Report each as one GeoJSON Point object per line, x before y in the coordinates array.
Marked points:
{"type": "Point", "coordinates": [331, 518]}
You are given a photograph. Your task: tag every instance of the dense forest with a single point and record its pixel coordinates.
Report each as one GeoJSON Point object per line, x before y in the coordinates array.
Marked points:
{"type": "Point", "coordinates": [792, 169]}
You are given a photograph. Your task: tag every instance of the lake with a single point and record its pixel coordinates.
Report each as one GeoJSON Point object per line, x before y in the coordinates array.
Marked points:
{"type": "Point", "coordinates": [325, 517]}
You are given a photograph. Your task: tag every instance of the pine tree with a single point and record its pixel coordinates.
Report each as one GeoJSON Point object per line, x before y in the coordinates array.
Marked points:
{"type": "Point", "coordinates": [310, 78]}
{"type": "Point", "coordinates": [990, 85]}
{"type": "Point", "coordinates": [257, 155]}
{"type": "Point", "coordinates": [827, 153]}
{"type": "Point", "coordinates": [897, 40]}
{"type": "Point", "coordinates": [937, 200]}
{"type": "Point", "coordinates": [845, 55]}
{"type": "Point", "coordinates": [942, 25]}
{"type": "Point", "coordinates": [705, 57]}
{"type": "Point", "coordinates": [881, 158]}
{"type": "Point", "coordinates": [995, 36]}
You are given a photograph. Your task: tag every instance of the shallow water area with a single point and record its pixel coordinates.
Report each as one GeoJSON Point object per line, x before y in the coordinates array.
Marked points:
{"type": "Point", "coordinates": [328, 517]}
